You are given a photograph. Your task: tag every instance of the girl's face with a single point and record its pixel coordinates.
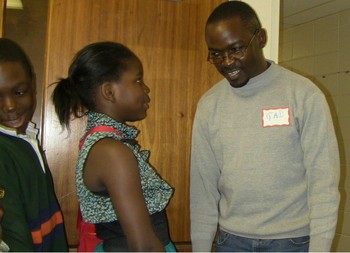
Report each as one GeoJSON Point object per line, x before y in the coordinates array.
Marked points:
{"type": "Point", "coordinates": [132, 94]}
{"type": "Point", "coordinates": [17, 97]}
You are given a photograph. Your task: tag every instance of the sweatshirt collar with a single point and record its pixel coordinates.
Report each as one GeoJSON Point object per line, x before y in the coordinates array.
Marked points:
{"type": "Point", "coordinates": [255, 84]}
{"type": "Point", "coordinates": [31, 131]}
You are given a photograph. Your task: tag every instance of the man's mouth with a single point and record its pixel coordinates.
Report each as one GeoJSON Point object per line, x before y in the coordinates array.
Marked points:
{"type": "Point", "coordinates": [234, 73]}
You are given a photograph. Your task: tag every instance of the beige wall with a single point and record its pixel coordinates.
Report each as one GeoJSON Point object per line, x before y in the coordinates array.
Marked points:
{"type": "Point", "coordinates": [269, 15]}
{"type": "Point", "coordinates": [320, 50]}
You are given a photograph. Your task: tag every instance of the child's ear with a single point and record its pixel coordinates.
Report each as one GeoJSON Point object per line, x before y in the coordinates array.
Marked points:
{"type": "Point", "coordinates": [108, 91]}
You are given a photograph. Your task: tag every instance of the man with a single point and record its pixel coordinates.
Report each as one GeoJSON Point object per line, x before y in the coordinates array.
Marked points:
{"type": "Point", "coordinates": [265, 163]}
{"type": "Point", "coordinates": [33, 219]}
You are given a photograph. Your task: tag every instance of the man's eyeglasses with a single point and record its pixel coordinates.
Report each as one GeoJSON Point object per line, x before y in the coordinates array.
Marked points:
{"type": "Point", "coordinates": [232, 53]}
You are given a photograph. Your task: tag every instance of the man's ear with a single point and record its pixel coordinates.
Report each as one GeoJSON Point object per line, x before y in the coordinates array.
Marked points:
{"type": "Point", "coordinates": [262, 38]}
{"type": "Point", "coordinates": [108, 91]}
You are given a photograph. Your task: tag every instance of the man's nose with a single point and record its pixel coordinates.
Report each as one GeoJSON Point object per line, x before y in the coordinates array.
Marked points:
{"type": "Point", "coordinates": [228, 60]}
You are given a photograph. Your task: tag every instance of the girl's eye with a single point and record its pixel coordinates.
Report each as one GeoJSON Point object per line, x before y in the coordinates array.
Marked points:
{"type": "Point", "coordinates": [140, 81]}
{"type": "Point", "coordinates": [19, 93]}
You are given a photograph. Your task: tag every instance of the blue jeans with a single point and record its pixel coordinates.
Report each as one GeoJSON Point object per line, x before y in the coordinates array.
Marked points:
{"type": "Point", "coordinates": [227, 242]}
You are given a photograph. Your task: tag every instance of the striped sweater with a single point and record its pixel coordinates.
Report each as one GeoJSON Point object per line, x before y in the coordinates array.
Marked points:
{"type": "Point", "coordinates": [33, 220]}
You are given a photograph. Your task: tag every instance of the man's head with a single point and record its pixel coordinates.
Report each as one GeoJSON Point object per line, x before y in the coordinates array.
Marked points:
{"type": "Point", "coordinates": [235, 42]}
{"type": "Point", "coordinates": [17, 92]}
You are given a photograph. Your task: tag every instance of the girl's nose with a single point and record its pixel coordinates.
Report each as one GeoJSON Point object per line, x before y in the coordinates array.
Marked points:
{"type": "Point", "coordinates": [145, 88]}
{"type": "Point", "coordinates": [8, 104]}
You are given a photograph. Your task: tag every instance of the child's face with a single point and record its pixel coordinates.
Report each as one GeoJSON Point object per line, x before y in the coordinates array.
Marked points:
{"type": "Point", "coordinates": [133, 99]}
{"type": "Point", "coordinates": [17, 98]}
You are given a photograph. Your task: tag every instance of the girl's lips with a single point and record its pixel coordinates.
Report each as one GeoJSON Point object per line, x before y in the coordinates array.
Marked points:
{"type": "Point", "coordinates": [15, 123]}
{"type": "Point", "coordinates": [147, 100]}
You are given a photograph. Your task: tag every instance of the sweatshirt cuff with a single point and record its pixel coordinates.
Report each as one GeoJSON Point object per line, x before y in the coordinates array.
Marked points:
{"type": "Point", "coordinates": [4, 247]}
{"type": "Point", "coordinates": [320, 244]}
{"type": "Point", "coordinates": [202, 246]}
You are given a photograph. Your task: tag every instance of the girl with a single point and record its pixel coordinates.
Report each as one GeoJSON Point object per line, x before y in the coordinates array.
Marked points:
{"type": "Point", "coordinates": [117, 188]}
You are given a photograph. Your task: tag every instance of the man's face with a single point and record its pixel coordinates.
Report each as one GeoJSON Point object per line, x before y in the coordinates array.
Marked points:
{"type": "Point", "coordinates": [17, 97]}
{"type": "Point", "coordinates": [229, 36]}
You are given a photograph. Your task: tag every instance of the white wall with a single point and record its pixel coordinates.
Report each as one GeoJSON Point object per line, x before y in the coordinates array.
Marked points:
{"type": "Point", "coordinates": [269, 15]}
{"type": "Point", "coordinates": [320, 50]}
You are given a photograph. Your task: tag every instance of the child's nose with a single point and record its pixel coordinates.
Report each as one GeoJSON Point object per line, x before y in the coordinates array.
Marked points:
{"type": "Point", "coordinates": [9, 104]}
{"type": "Point", "coordinates": [146, 89]}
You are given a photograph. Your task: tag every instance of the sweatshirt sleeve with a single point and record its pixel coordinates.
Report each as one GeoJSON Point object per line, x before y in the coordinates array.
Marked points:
{"type": "Point", "coordinates": [321, 160]}
{"type": "Point", "coordinates": [16, 232]}
{"type": "Point", "coordinates": [204, 195]}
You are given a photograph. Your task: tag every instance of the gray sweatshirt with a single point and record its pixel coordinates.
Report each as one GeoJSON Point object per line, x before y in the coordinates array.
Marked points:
{"type": "Point", "coordinates": [265, 162]}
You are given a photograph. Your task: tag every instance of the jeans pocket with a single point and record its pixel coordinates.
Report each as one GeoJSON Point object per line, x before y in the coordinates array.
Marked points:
{"type": "Point", "coordinates": [300, 240]}
{"type": "Point", "coordinates": [223, 236]}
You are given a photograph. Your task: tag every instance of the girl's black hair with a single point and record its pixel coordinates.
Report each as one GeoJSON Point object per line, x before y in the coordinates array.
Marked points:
{"type": "Point", "coordinates": [230, 9]}
{"type": "Point", "coordinates": [92, 66]}
{"type": "Point", "coordinates": [10, 51]}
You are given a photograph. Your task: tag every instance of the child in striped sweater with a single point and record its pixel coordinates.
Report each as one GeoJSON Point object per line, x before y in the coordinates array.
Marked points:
{"type": "Point", "coordinates": [33, 220]}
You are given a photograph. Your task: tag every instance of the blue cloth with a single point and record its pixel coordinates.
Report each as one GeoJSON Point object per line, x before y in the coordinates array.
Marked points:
{"type": "Point", "coordinates": [99, 247]}
{"type": "Point", "coordinates": [231, 243]}
{"type": "Point", "coordinates": [169, 248]}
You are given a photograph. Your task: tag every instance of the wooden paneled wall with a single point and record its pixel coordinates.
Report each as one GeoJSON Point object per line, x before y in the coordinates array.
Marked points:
{"type": "Point", "coordinates": [168, 37]}
{"type": "Point", "coordinates": [2, 16]}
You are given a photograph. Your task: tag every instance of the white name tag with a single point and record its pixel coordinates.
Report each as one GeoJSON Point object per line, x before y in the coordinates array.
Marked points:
{"type": "Point", "coordinates": [276, 117]}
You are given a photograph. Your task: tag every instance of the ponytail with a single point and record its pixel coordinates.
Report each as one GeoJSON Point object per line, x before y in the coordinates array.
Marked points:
{"type": "Point", "coordinates": [66, 101]}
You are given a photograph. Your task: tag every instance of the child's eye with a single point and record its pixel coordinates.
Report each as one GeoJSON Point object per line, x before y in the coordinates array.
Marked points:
{"type": "Point", "coordinates": [140, 81]}
{"type": "Point", "coordinates": [19, 93]}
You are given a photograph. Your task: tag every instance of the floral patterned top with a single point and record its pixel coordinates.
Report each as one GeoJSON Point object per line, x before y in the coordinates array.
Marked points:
{"type": "Point", "coordinates": [96, 208]}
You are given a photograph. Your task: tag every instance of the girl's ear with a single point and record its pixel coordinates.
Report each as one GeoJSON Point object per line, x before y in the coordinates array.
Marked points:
{"type": "Point", "coordinates": [108, 91]}
{"type": "Point", "coordinates": [262, 37]}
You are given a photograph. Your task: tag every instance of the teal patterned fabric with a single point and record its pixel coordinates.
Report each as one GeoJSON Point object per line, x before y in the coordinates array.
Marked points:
{"type": "Point", "coordinates": [96, 208]}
